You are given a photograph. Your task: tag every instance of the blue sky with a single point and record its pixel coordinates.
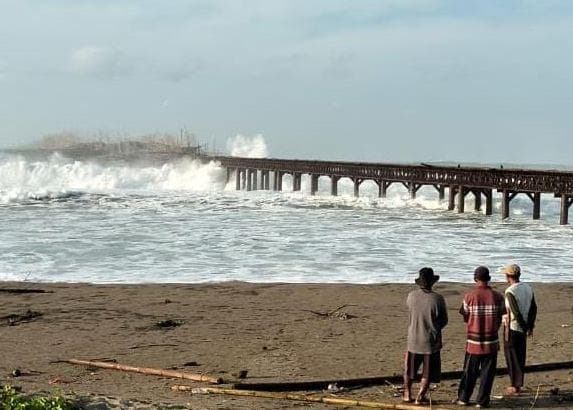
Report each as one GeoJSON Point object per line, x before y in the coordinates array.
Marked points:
{"type": "Point", "coordinates": [396, 80]}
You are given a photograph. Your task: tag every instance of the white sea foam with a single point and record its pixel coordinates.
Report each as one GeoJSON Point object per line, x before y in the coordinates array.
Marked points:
{"type": "Point", "coordinates": [63, 220]}
{"type": "Point", "coordinates": [250, 147]}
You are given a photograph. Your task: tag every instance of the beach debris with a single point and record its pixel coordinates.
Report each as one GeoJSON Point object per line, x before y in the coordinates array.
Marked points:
{"type": "Point", "coordinates": [191, 364]}
{"type": "Point", "coordinates": [168, 324]}
{"type": "Point", "coordinates": [20, 291]}
{"type": "Point", "coordinates": [297, 397]}
{"type": "Point", "coordinates": [15, 318]}
{"type": "Point", "coordinates": [241, 374]}
{"type": "Point", "coordinates": [22, 373]}
{"type": "Point", "coordinates": [335, 313]}
{"type": "Point", "coordinates": [554, 391]}
{"type": "Point", "coordinates": [334, 388]}
{"type": "Point", "coordinates": [58, 380]}
{"type": "Point", "coordinates": [396, 390]}
{"type": "Point", "coordinates": [298, 385]}
{"type": "Point", "coordinates": [565, 325]}
{"type": "Point", "coordinates": [536, 397]}
{"type": "Point", "coordinates": [147, 370]}
{"type": "Point", "coordinates": [152, 345]}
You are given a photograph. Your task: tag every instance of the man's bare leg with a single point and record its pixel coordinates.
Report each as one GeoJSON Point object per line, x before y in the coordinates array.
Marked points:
{"type": "Point", "coordinates": [424, 386]}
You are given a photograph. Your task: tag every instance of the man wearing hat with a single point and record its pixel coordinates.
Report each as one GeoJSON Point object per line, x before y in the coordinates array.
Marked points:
{"type": "Point", "coordinates": [482, 310]}
{"type": "Point", "coordinates": [519, 322]}
{"type": "Point", "coordinates": [427, 317]}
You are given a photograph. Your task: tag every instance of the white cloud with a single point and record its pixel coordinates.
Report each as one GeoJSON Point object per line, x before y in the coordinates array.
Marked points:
{"type": "Point", "coordinates": [96, 61]}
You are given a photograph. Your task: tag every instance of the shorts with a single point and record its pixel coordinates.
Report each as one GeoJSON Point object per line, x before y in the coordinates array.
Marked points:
{"type": "Point", "coordinates": [431, 369]}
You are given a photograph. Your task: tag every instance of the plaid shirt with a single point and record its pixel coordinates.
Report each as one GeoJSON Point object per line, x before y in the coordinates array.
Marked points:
{"type": "Point", "coordinates": [482, 310]}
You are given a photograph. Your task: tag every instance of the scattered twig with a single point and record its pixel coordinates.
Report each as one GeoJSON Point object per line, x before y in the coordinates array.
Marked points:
{"type": "Point", "coordinates": [152, 345]}
{"type": "Point", "coordinates": [535, 398]}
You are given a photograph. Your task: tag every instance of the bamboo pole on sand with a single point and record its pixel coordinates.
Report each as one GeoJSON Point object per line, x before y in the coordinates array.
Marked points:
{"type": "Point", "coordinates": [147, 370]}
{"type": "Point", "coordinates": [372, 381]}
{"type": "Point", "coordinates": [299, 397]}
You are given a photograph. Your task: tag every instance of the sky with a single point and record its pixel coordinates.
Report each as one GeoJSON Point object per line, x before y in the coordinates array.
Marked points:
{"type": "Point", "coordinates": [369, 80]}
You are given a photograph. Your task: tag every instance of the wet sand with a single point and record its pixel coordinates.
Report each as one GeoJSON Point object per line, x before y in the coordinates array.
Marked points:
{"type": "Point", "coordinates": [274, 331]}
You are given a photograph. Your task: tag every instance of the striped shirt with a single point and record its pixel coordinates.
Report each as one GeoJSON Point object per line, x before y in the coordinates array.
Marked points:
{"type": "Point", "coordinates": [482, 310]}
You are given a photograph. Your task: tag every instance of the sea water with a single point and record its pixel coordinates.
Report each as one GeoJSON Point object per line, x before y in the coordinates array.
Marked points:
{"type": "Point", "coordinates": [80, 221]}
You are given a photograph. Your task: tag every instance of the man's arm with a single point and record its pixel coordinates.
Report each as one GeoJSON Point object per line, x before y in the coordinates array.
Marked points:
{"type": "Point", "coordinates": [514, 308]}
{"type": "Point", "coordinates": [442, 313]}
{"type": "Point", "coordinates": [464, 311]}
{"type": "Point", "coordinates": [532, 316]}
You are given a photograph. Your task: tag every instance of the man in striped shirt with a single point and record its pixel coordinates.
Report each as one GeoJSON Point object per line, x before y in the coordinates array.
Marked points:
{"type": "Point", "coordinates": [482, 310]}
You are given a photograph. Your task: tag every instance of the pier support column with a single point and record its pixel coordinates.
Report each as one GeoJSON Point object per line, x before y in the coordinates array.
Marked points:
{"type": "Point", "coordinates": [461, 199]}
{"type": "Point", "coordinates": [243, 179]}
{"type": "Point", "coordinates": [452, 198]}
{"type": "Point", "coordinates": [265, 183]}
{"type": "Point", "coordinates": [229, 172]}
{"type": "Point", "coordinates": [334, 185]}
{"type": "Point", "coordinates": [255, 185]}
{"type": "Point", "coordinates": [505, 204]}
{"type": "Point", "coordinates": [275, 180]}
{"type": "Point", "coordinates": [279, 180]}
{"type": "Point", "coordinates": [566, 202]}
{"type": "Point", "coordinates": [382, 188]}
{"type": "Point", "coordinates": [249, 179]}
{"type": "Point", "coordinates": [296, 181]}
{"type": "Point", "coordinates": [441, 192]}
{"type": "Point", "coordinates": [488, 201]}
{"type": "Point", "coordinates": [238, 179]}
{"type": "Point", "coordinates": [536, 205]}
{"type": "Point", "coordinates": [477, 196]}
{"type": "Point", "coordinates": [412, 190]}
{"type": "Point", "coordinates": [505, 200]}
{"type": "Point", "coordinates": [314, 183]}
{"type": "Point", "coordinates": [357, 182]}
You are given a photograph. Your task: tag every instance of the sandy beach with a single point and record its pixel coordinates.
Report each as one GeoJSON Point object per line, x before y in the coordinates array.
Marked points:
{"type": "Point", "coordinates": [276, 332]}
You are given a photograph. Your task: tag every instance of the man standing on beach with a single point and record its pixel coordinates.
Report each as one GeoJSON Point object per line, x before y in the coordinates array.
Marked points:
{"type": "Point", "coordinates": [482, 310]}
{"type": "Point", "coordinates": [519, 322]}
{"type": "Point", "coordinates": [427, 317]}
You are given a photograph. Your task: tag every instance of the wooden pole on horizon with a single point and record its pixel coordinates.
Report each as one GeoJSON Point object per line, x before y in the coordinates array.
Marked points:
{"type": "Point", "coordinates": [147, 370]}
{"type": "Point", "coordinates": [298, 397]}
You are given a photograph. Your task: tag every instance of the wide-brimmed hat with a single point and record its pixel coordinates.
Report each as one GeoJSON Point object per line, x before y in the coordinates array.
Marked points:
{"type": "Point", "coordinates": [481, 273]}
{"type": "Point", "coordinates": [511, 270]}
{"type": "Point", "coordinates": [426, 277]}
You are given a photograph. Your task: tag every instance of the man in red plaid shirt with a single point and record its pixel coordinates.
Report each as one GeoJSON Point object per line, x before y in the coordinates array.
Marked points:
{"type": "Point", "coordinates": [482, 310]}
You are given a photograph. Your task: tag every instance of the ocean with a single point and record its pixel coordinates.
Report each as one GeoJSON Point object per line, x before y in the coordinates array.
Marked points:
{"type": "Point", "coordinates": [77, 221]}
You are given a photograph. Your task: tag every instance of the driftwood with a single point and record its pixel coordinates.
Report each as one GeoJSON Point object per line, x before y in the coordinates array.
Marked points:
{"type": "Point", "coordinates": [374, 381]}
{"type": "Point", "coordinates": [298, 397]}
{"type": "Point", "coordinates": [147, 370]}
{"type": "Point", "coordinates": [19, 291]}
